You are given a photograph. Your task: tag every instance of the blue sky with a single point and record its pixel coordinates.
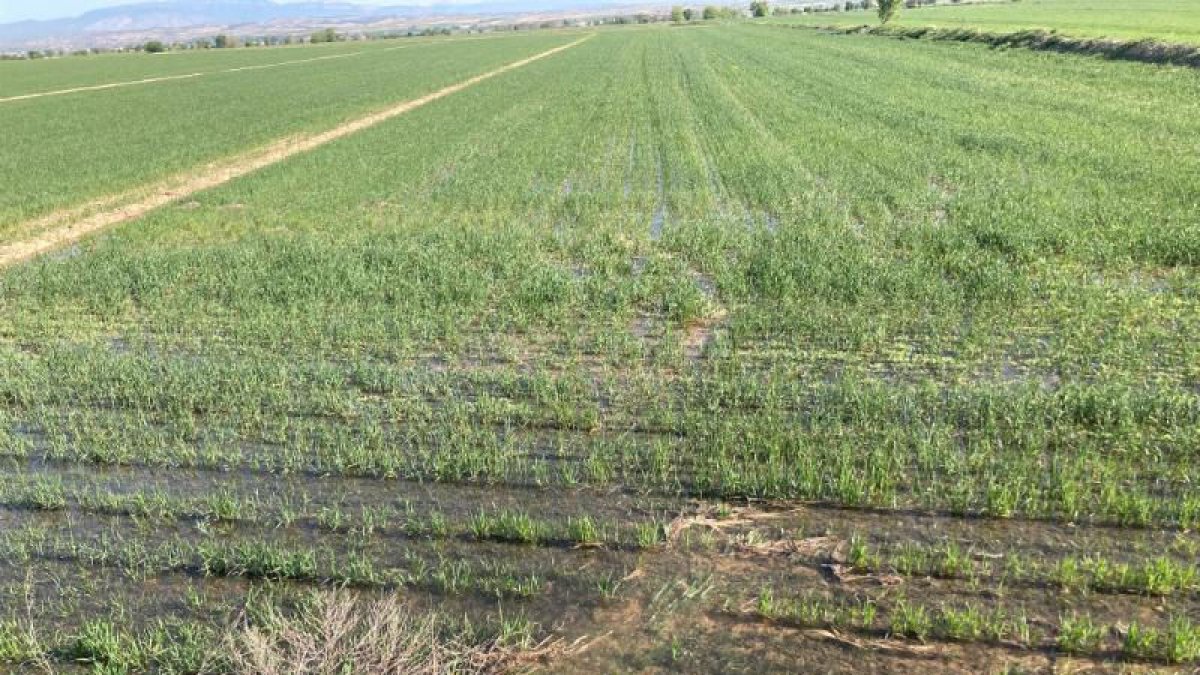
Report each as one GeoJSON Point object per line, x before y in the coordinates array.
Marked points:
{"type": "Point", "coordinates": [20, 10]}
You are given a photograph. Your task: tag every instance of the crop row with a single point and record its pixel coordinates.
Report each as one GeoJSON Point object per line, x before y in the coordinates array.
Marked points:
{"type": "Point", "coordinates": [1159, 576]}
{"type": "Point", "coordinates": [261, 560]}
{"type": "Point", "coordinates": [1116, 456]}
{"type": "Point", "coordinates": [1075, 633]}
{"type": "Point", "coordinates": [505, 525]}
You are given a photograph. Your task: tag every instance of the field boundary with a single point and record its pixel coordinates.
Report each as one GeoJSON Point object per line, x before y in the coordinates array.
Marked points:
{"type": "Point", "coordinates": [70, 225]}
{"type": "Point", "coordinates": [1146, 50]}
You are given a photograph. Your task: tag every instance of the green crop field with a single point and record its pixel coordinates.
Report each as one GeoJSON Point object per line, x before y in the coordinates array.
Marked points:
{"type": "Point", "coordinates": [19, 78]}
{"type": "Point", "coordinates": [678, 349]}
{"type": "Point", "coordinates": [28, 78]}
{"type": "Point", "coordinates": [117, 139]}
{"type": "Point", "coordinates": [1167, 20]}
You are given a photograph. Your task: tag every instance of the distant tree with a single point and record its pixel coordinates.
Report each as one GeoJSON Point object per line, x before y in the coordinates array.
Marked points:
{"type": "Point", "coordinates": [222, 42]}
{"type": "Point", "coordinates": [154, 47]}
{"type": "Point", "coordinates": [689, 14]}
{"type": "Point", "coordinates": [677, 14]}
{"type": "Point", "coordinates": [759, 8]}
{"type": "Point", "coordinates": [888, 9]}
{"type": "Point", "coordinates": [710, 12]}
{"type": "Point", "coordinates": [327, 35]}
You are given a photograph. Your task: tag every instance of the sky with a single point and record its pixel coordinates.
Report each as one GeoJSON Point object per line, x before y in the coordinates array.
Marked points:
{"type": "Point", "coordinates": [21, 10]}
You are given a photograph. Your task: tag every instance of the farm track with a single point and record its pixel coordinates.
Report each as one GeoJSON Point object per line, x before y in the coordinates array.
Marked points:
{"type": "Point", "coordinates": [131, 205]}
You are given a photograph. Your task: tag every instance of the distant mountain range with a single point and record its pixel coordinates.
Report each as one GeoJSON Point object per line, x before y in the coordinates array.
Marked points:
{"type": "Point", "coordinates": [167, 18]}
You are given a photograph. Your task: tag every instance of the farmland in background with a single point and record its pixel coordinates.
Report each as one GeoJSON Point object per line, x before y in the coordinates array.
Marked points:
{"type": "Point", "coordinates": [1165, 20]}
{"type": "Point", "coordinates": [682, 349]}
{"type": "Point", "coordinates": [17, 78]}
{"type": "Point", "coordinates": [118, 139]}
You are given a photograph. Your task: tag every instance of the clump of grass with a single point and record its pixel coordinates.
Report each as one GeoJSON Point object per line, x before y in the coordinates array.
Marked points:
{"type": "Point", "coordinates": [20, 644]}
{"type": "Point", "coordinates": [101, 642]}
{"type": "Point", "coordinates": [1178, 643]}
{"type": "Point", "coordinates": [257, 560]}
{"type": "Point", "coordinates": [452, 577]}
{"type": "Point", "coordinates": [584, 531]}
{"type": "Point", "coordinates": [912, 621]}
{"type": "Point", "coordinates": [44, 495]}
{"type": "Point", "coordinates": [512, 526]}
{"type": "Point", "coordinates": [650, 534]}
{"type": "Point", "coordinates": [609, 585]}
{"type": "Point", "coordinates": [967, 624]}
{"type": "Point", "coordinates": [1182, 641]}
{"type": "Point", "coordinates": [860, 556]}
{"type": "Point", "coordinates": [1078, 634]}
{"type": "Point", "coordinates": [766, 605]}
{"type": "Point", "coordinates": [1140, 642]}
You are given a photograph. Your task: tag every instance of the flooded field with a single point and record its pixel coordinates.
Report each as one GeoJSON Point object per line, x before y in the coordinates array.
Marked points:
{"type": "Point", "coordinates": [672, 350]}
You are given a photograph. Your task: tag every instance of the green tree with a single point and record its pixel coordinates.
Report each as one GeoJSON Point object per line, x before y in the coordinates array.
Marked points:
{"type": "Point", "coordinates": [154, 47]}
{"type": "Point", "coordinates": [689, 14]}
{"type": "Point", "coordinates": [677, 14]}
{"type": "Point", "coordinates": [222, 41]}
{"type": "Point", "coordinates": [759, 8]}
{"type": "Point", "coordinates": [888, 9]}
{"type": "Point", "coordinates": [710, 12]}
{"type": "Point", "coordinates": [327, 35]}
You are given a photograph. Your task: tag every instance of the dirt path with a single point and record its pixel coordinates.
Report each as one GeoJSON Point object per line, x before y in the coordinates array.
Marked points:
{"type": "Point", "coordinates": [73, 224]}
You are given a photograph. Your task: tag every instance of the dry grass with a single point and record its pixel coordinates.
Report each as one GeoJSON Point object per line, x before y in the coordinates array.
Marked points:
{"type": "Point", "coordinates": [342, 632]}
